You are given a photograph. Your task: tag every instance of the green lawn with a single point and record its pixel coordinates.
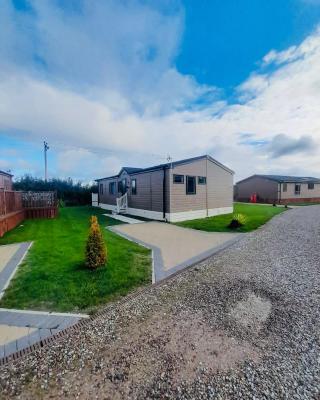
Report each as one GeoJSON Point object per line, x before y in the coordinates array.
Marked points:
{"type": "Point", "coordinates": [256, 215]}
{"type": "Point", "coordinates": [53, 276]}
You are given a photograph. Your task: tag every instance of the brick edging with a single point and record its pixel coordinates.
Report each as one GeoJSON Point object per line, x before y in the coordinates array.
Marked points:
{"type": "Point", "coordinates": [131, 296]}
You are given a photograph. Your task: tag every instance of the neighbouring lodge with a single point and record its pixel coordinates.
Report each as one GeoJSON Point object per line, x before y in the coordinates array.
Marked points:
{"type": "Point", "coordinates": [188, 189]}
{"type": "Point", "coordinates": [278, 189]}
{"type": "Point", "coordinates": [5, 180]}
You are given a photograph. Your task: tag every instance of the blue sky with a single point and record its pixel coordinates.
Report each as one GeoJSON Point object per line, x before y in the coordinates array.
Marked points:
{"type": "Point", "coordinates": [224, 41]}
{"type": "Point", "coordinates": [112, 83]}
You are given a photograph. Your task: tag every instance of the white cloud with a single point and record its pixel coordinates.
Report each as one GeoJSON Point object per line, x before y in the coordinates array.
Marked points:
{"type": "Point", "coordinates": [101, 86]}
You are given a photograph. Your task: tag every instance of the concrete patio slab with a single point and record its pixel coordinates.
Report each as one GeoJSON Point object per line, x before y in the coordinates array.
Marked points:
{"type": "Point", "coordinates": [174, 247]}
{"type": "Point", "coordinates": [11, 333]}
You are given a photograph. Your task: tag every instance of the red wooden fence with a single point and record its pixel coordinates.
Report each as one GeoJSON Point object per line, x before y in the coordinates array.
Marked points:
{"type": "Point", "coordinates": [10, 201]}
{"type": "Point", "coordinates": [16, 206]}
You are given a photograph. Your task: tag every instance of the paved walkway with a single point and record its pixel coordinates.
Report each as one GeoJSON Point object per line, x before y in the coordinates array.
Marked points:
{"type": "Point", "coordinates": [123, 218]}
{"type": "Point", "coordinates": [174, 247]}
{"type": "Point", "coordinates": [11, 256]}
{"type": "Point", "coordinates": [18, 328]}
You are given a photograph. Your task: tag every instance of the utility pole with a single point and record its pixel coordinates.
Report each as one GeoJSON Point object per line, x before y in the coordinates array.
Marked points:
{"type": "Point", "coordinates": [169, 159]}
{"type": "Point", "coordinates": [45, 149]}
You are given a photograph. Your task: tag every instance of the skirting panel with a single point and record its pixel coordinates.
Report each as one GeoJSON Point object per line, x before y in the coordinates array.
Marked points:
{"type": "Point", "coordinates": [172, 217]}
{"type": "Point", "coordinates": [197, 214]}
{"type": "Point", "coordinates": [136, 211]}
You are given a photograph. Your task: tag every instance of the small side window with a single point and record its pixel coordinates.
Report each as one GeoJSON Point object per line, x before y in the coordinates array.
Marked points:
{"type": "Point", "coordinates": [310, 186]}
{"type": "Point", "coordinates": [297, 189]}
{"type": "Point", "coordinates": [178, 178]}
{"type": "Point", "coordinates": [285, 187]}
{"type": "Point", "coordinates": [202, 180]}
{"type": "Point", "coordinates": [133, 186]}
{"type": "Point", "coordinates": [101, 188]}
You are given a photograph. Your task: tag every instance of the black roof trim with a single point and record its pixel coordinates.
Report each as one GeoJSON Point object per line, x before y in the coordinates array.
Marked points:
{"type": "Point", "coordinates": [284, 178]}
{"type": "Point", "coordinates": [5, 173]}
{"type": "Point", "coordinates": [135, 171]}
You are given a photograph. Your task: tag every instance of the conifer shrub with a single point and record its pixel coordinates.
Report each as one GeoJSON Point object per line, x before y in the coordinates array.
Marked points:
{"type": "Point", "coordinates": [96, 251]}
{"type": "Point", "coordinates": [237, 221]}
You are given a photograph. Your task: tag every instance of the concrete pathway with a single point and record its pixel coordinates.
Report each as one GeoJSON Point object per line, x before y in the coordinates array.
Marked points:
{"type": "Point", "coordinates": [19, 328]}
{"type": "Point", "coordinates": [123, 218]}
{"type": "Point", "coordinates": [11, 256]}
{"type": "Point", "coordinates": [174, 247]}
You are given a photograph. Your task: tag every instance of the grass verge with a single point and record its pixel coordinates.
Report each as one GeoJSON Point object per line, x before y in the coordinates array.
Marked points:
{"type": "Point", "coordinates": [53, 275]}
{"type": "Point", "coordinates": [256, 215]}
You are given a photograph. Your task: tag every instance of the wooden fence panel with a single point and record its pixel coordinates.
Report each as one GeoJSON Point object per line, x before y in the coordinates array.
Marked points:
{"type": "Point", "coordinates": [16, 206]}
{"type": "Point", "coordinates": [10, 201]}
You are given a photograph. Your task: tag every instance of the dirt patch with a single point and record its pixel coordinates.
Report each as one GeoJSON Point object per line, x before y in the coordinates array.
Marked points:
{"type": "Point", "coordinates": [200, 348]}
{"type": "Point", "coordinates": [251, 312]}
{"type": "Point", "coordinates": [165, 349]}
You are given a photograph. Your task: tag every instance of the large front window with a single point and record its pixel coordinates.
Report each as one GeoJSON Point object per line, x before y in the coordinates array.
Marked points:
{"type": "Point", "coordinates": [191, 185]}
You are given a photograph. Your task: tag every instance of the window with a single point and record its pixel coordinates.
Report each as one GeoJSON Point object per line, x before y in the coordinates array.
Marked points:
{"type": "Point", "coordinates": [178, 178]}
{"type": "Point", "coordinates": [112, 187]}
{"type": "Point", "coordinates": [202, 180]}
{"type": "Point", "coordinates": [101, 188]}
{"type": "Point", "coordinates": [297, 189]}
{"type": "Point", "coordinates": [133, 186]}
{"type": "Point", "coordinates": [191, 185]}
{"type": "Point", "coordinates": [285, 187]}
{"type": "Point", "coordinates": [310, 186]}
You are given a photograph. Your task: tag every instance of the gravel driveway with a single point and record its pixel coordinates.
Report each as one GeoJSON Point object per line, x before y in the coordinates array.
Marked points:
{"type": "Point", "coordinates": [243, 324]}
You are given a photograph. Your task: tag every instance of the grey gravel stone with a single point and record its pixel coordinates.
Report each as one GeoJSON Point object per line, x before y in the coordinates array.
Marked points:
{"type": "Point", "coordinates": [245, 324]}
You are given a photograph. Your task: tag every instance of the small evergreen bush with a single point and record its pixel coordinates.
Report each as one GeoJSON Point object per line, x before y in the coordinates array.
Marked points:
{"type": "Point", "coordinates": [96, 252]}
{"type": "Point", "coordinates": [237, 221]}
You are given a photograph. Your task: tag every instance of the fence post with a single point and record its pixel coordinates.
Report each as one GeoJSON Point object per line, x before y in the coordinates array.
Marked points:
{"type": "Point", "coordinates": [5, 202]}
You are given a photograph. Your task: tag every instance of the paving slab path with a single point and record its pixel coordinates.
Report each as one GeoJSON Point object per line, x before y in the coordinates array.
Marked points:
{"type": "Point", "coordinates": [11, 256]}
{"type": "Point", "coordinates": [175, 248]}
{"type": "Point", "coordinates": [20, 329]}
{"type": "Point", "coordinates": [243, 324]}
{"type": "Point", "coordinates": [124, 218]}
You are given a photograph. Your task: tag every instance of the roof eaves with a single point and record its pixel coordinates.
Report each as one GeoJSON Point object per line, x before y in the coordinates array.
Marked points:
{"type": "Point", "coordinates": [5, 173]}
{"type": "Point", "coordinates": [107, 177]}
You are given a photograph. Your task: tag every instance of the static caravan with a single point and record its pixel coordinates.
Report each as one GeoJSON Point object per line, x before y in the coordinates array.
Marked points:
{"type": "Point", "coordinates": [197, 187]}
{"type": "Point", "coordinates": [279, 189]}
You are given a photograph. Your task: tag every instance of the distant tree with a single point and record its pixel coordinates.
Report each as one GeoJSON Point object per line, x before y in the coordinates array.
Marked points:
{"type": "Point", "coordinates": [69, 193]}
